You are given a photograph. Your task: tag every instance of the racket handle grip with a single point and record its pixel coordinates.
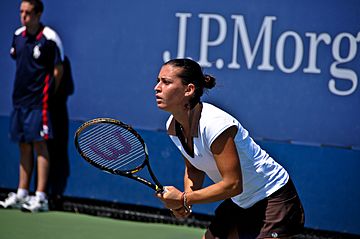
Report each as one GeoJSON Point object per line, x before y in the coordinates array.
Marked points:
{"type": "Point", "coordinates": [162, 190]}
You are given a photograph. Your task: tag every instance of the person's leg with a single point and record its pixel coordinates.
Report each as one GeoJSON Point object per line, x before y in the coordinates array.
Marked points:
{"type": "Point", "coordinates": [208, 235]}
{"type": "Point", "coordinates": [26, 165]}
{"type": "Point", "coordinates": [39, 203]}
{"type": "Point", "coordinates": [42, 165]}
{"type": "Point", "coordinates": [16, 200]}
{"type": "Point", "coordinates": [232, 235]}
{"type": "Point", "coordinates": [36, 131]}
{"type": "Point", "coordinates": [223, 225]}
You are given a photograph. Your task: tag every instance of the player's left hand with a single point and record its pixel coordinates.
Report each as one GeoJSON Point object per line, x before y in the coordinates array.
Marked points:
{"type": "Point", "coordinates": [180, 212]}
{"type": "Point", "coordinates": [171, 197]}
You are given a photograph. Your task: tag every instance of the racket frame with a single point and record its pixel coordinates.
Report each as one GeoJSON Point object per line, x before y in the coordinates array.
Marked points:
{"type": "Point", "coordinates": [129, 173]}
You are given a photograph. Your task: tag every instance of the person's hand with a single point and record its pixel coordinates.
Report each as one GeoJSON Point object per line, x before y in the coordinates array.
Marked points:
{"type": "Point", "coordinates": [180, 212]}
{"type": "Point", "coordinates": [173, 200]}
{"type": "Point", "coordinates": [171, 197]}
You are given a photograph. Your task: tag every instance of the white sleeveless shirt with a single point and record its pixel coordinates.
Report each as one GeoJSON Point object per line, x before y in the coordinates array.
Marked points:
{"type": "Point", "coordinates": [261, 175]}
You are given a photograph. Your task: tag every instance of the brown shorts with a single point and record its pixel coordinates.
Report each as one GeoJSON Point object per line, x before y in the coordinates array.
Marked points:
{"type": "Point", "coordinates": [279, 215]}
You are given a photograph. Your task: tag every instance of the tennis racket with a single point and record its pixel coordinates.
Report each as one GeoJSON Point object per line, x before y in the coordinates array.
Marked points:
{"type": "Point", "coordinates": [115, 147]}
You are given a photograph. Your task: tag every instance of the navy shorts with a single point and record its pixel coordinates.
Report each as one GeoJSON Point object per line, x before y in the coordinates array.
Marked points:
{"type": "Point", "coordinates": [30, 125]}
{"type": "Point", "coordinates": [279, 215]}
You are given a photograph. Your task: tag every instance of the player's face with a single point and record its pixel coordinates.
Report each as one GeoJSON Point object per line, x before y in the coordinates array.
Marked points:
{"type": "Point", "coordinates": [170, 91]}
{"type": "Point", "coordinates": [28, 17]}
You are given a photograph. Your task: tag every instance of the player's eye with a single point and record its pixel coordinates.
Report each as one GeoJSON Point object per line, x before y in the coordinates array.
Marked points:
{"type": "Point", "coordinates": [26, 12]}
{"type": "Point", "coordinates": [163, 80]}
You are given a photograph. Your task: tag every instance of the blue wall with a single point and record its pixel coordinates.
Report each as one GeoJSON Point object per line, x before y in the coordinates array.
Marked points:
{"type": "Point", "coordinates": [287, 70]}
{"type": "Point", "coordinates": [275, 62]}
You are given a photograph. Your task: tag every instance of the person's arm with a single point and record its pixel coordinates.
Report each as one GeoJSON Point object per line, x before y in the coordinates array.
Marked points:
{"type": "Point", "coordinates": [193, 177]}
{"type": "Point", "coordinates": [193, 180]}
{"type": "Point", "coordinates": [58, 73]}
{"type": "Point", "coordinates": [13, 49]}
{"type": "Point", "coordinates": [228, 163]}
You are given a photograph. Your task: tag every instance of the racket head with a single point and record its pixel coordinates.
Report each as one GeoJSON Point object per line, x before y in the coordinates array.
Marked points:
{"type": "Point", "coordinates": [111, 145]}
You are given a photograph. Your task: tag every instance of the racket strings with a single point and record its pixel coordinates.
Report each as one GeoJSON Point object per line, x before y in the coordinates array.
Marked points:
{"type": "Point", "coordinates": [114, 162]}
{"type": "Point", "coordinates": [112, 146]}
{"type": "Point", "coordinates": [107, 136]}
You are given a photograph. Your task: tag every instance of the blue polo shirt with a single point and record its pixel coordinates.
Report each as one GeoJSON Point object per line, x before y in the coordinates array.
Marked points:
{"type": "Point", "coordinates": [35, 56]}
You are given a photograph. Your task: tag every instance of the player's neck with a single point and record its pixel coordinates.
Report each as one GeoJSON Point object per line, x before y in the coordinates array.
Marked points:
{"type": "Point", "coordinates": [34, 29]}
{"type": "Point", "coordinates": [185, 120]}
{"type": "Point", "coordinates": [184, 123]}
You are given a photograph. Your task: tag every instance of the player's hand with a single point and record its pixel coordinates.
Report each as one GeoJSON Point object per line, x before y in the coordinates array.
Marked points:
{"type": "Point", "coordinates": [171, 197]}
{"type": "Point", "coordinates": [180, 212]}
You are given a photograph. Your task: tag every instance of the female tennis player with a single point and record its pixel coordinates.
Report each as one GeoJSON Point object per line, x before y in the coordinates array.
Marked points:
{"type": "Point", "coordinates": [259, 198]}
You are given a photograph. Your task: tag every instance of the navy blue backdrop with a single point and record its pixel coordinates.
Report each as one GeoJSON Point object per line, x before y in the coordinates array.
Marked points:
{"type": "Point", "coordinates": [288, 70]}
{"type": "Point", "coordinates": [276, 63]}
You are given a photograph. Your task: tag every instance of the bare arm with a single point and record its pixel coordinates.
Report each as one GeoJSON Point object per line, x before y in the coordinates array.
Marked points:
{"type": "Point", "coordinates": [228, 163]}
{"type": "Point", "coordinates": [193, 177]}
{"type": "Point", "coordinates": [193, 180]}
{"type": "Point", "coordinates": [58, 73]}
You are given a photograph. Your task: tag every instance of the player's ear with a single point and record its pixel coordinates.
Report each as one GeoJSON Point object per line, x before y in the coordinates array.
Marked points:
{"type": "Point", "coordinates": [190, 89]}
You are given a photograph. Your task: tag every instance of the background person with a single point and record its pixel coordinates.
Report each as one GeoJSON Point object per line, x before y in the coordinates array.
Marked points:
{"type": "Point", "coordinates": [38, 52]}
{"type": "Point", "coordinates": [260, 200]}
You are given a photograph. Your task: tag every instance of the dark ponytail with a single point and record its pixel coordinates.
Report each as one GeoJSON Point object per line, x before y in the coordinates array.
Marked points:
{"type": "Point", "coordinates": [209, 81]}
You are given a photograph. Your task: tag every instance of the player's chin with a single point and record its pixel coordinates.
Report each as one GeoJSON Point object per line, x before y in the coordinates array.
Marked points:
{"type": "Point", "coordinates": [161, 105]}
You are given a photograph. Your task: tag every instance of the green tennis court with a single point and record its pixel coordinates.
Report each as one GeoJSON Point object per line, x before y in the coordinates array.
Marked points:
{"type": "Point", "coordinates": [15, 224]}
